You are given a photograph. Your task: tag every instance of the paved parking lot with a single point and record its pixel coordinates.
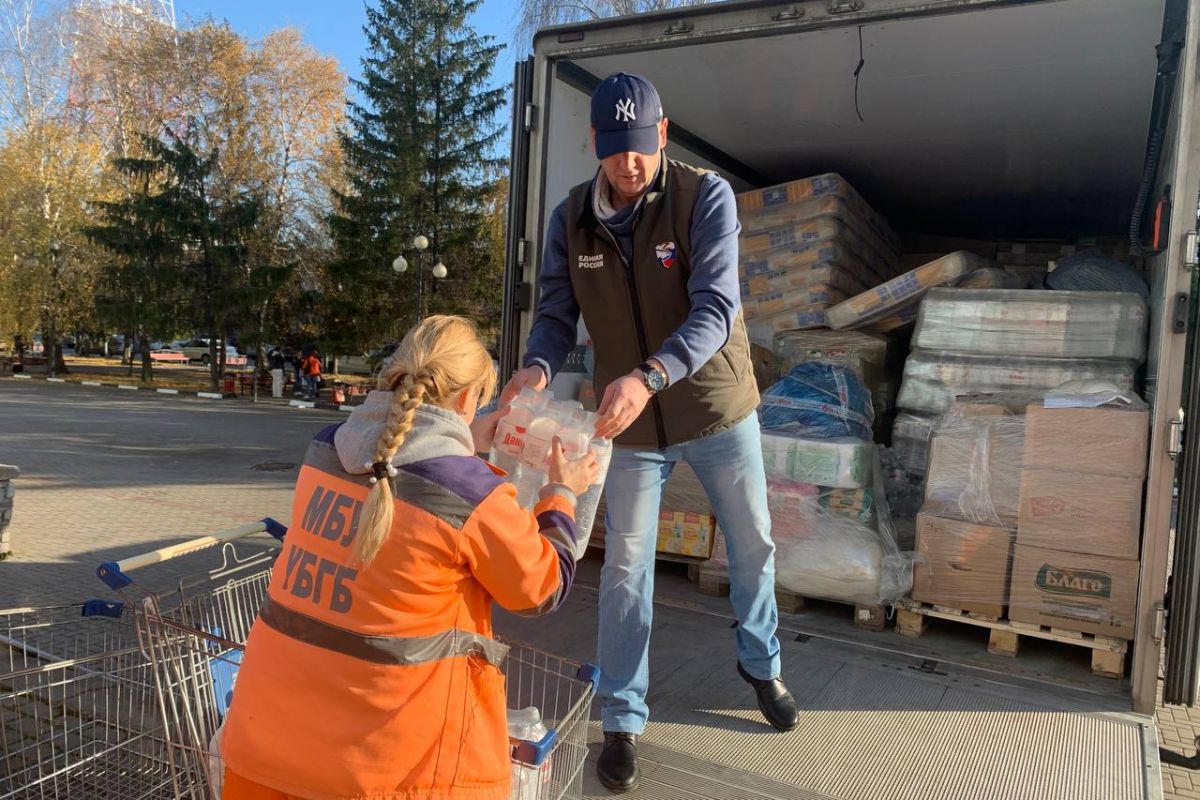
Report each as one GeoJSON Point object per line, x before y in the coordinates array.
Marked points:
{"type": "Point", "coordinates": [107, 474]}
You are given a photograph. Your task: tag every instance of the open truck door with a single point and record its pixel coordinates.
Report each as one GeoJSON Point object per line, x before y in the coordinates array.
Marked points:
{"type": "Point", "coordinates": [518, 293]}
{"type": "Point", "coordinates": [1178, 614]}
{"type": "Point", "coordinates": [1181, 668]}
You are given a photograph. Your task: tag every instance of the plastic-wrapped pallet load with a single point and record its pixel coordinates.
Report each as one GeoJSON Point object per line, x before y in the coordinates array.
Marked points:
{"type": "Point", "coordinates": [1049, 324]}
{"type": "Point", "coordinates": [904, 291]}
{"type": "Point", "coordinates": [933, 380]}
{"type": "Point", "coordinates": [829, 513]}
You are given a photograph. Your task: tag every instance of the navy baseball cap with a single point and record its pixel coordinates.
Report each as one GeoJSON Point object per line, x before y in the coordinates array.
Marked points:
{"type": "Point", "coordinates": [626, 111]}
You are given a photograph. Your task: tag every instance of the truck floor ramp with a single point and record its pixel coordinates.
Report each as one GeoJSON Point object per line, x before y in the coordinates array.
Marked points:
{"type": "Point", "coordinates": [874, 725]}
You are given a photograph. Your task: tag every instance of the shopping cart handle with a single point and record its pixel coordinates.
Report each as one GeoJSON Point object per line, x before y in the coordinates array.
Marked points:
{"type": "Point", "coordinates": [534, 753]}
{"type": "Point", "coordinates": [113, 572]}
{"type": "Point", "coordinates": [589, 673]}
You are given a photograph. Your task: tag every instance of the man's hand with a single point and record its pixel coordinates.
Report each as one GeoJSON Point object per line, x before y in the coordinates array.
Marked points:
{"type": "Point", "coordinates": [624, 401]}
{"type": "Point", "coordinates": [532, 377]}
{"type": "Point", "coordinates": [483, 429]}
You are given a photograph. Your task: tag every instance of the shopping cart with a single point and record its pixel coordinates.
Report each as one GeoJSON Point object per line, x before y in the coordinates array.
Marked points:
{"type": "Point", "coordinates": [562, 691]}
{"type": "Point", "coordinates": [195, 635]}
{"type": "Point", "coordinates": [78, 711]}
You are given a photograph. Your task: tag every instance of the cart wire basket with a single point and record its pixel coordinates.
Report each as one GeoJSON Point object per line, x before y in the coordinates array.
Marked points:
{"type": "Point", "coordinates": [193, 637]}
{"type": "Point", "coordinates": [550, 768]}
{"type": "Point", "coordinates": [79, 715]}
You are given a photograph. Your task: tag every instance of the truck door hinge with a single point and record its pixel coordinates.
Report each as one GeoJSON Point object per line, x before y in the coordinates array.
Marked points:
{"type": "Point", "coordinates": [1191, 250]}
{"type": "Point", "coordinates": [1160, 622]}
{"type": "Point", "coordinates": [787, 14]}
{"type": "Point", "coordinates": [676, 28]}
{"type": "Point", "coordinates": [1175, 436]}
{"type": "Point", "coordinates": [530, 117]}
{"type": "Point", "coordinates": [845, 7]}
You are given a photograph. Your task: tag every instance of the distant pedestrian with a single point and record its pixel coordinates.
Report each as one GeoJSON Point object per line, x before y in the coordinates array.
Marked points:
{"type": "Point", "coordinates": [292, 365]}
{"type": "Point", "coordinates": [310, 370]}
{"type": "Point", "coordinates": [275, 361]}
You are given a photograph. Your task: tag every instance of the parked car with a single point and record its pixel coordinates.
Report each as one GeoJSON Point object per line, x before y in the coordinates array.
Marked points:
{"type": "Point", "coordinates": [198, 350]}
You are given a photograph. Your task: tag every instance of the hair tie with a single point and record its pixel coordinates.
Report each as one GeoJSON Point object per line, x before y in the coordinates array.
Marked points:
{"type": "Point", "coordinates": [381, 470]}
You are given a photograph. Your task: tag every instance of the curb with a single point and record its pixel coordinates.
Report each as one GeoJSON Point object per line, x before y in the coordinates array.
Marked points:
{"type": "Point", "coordinates": [301, 404]}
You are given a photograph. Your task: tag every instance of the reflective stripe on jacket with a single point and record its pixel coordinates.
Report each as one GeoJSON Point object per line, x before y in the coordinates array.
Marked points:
{"type": "Point", "coordinates": [385, 681]}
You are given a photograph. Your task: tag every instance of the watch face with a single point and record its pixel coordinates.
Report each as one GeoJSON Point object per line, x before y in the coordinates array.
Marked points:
{"type": "Point", "coordinates": [655, 380]}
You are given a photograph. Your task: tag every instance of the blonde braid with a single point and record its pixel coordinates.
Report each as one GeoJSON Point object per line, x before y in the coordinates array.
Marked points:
{"type": "Point", "coordinates": [438, 360]}
{"type": "Point", "coordinates": [377, 514]}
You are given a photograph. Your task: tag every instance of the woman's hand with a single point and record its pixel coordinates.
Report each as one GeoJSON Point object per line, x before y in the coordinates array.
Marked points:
{"type": "Point", "coordinates": [576, 475]}
{"type": "Point", "coordinates": [483, 430]}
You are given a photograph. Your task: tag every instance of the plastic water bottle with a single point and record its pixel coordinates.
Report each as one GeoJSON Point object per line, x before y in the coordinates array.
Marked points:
{"type": "Point", "coordinates": [526, 725]}
{"type": "Point", "coordinates": [509, 441]}
{"type": "Point", "coordinates": [535, 458]}
{"type": "Point", "coordinates": [586, 505]}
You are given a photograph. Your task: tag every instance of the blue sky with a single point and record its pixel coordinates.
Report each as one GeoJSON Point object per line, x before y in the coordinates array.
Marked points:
{"type": "Point", "coordinates": [335, 26]}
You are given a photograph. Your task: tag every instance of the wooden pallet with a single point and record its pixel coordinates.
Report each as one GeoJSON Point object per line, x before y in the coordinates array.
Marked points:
{"type": "Point", "coordinates": [1004, 637]}
{"type": "Point", "coordinates": [715, 581]}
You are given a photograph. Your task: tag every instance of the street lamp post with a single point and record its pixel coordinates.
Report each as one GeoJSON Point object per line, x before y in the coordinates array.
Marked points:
{"type": "Point", "coordinates": [52, 318]}
{"type": "Point", "coordinates": [420, 243]}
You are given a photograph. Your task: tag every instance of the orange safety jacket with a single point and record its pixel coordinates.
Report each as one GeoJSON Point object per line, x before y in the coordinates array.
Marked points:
{"type": "Point", "coordinates": [384, 681]}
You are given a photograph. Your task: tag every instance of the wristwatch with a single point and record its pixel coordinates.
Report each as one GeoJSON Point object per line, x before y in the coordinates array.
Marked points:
{"type": "Point", "coordinates": [654, 378]}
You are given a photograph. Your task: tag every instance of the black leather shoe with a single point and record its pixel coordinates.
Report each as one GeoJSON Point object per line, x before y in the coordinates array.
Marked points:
{"type": "Point", "coordinates": [774, 701]}
{"type": "Point", "coordinates": [617, 766]}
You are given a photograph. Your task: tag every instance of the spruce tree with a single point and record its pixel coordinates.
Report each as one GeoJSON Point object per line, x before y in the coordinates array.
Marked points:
{"type": "Point", "coordinates": [420, 157]}
{"type": "Point", "coordinates": [181, 248]}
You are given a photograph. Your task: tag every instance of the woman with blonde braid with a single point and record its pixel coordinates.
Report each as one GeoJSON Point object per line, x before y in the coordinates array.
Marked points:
{"type": "Point", "coordinates": [371, 672]}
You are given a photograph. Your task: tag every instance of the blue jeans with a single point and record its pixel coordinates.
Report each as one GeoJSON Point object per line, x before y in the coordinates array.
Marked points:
{"type": "Point", "coordinates": [730, 467]}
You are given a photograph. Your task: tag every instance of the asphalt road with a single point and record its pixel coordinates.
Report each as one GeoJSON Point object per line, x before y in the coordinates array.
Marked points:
{"type": "Point", "coordinates": [108, 473]}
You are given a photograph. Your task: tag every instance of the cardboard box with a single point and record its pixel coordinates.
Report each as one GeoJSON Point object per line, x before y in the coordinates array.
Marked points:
{"type": "Point", "coordinates": [962, 565]}
{"type": "Point", "coordinates": [686, 533]}
{"type": "Point", "coordinates": [683, 494]}
{"type": "Point", "coordinates": [1073, 591]}
{"type": "Point", "coordinates": [975, 459]}
{"type": "Point", "coordinates": [1098, 441]}
{"type": "Point", "coordinates": [1096, 514]}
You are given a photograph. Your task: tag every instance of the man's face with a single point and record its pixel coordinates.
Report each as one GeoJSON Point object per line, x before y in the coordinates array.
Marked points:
{"type": "Point", "coordinates": [630, 173]}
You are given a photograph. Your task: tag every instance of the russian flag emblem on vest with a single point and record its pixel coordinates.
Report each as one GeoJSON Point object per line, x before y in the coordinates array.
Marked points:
{"type": "Point", "coordinates": [666, 254]}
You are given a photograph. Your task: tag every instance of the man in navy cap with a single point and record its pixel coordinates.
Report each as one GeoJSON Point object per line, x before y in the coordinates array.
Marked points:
{"type": "Point", "coordinates": [647, 252]}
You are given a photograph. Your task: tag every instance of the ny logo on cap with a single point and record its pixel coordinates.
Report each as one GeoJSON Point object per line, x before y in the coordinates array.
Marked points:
{"type": "Point", "coordinates": [625, 111]}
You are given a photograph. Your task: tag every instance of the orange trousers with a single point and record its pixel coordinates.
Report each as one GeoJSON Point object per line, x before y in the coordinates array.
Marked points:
{"type": "Point", "coordinates": [238, 788]}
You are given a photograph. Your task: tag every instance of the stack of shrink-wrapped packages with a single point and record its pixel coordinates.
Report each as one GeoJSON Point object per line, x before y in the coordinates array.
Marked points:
{"type": "Point", "coordinates": [829, 515]}
{"type": "Point", "coordinates": [967, 526]}
{"type": "Point", "coordinates": [978, 341]}
{"type": "Point", "coordinates": [1033, 512]}
{"type": "Point", "coordinates": [805, 246]}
